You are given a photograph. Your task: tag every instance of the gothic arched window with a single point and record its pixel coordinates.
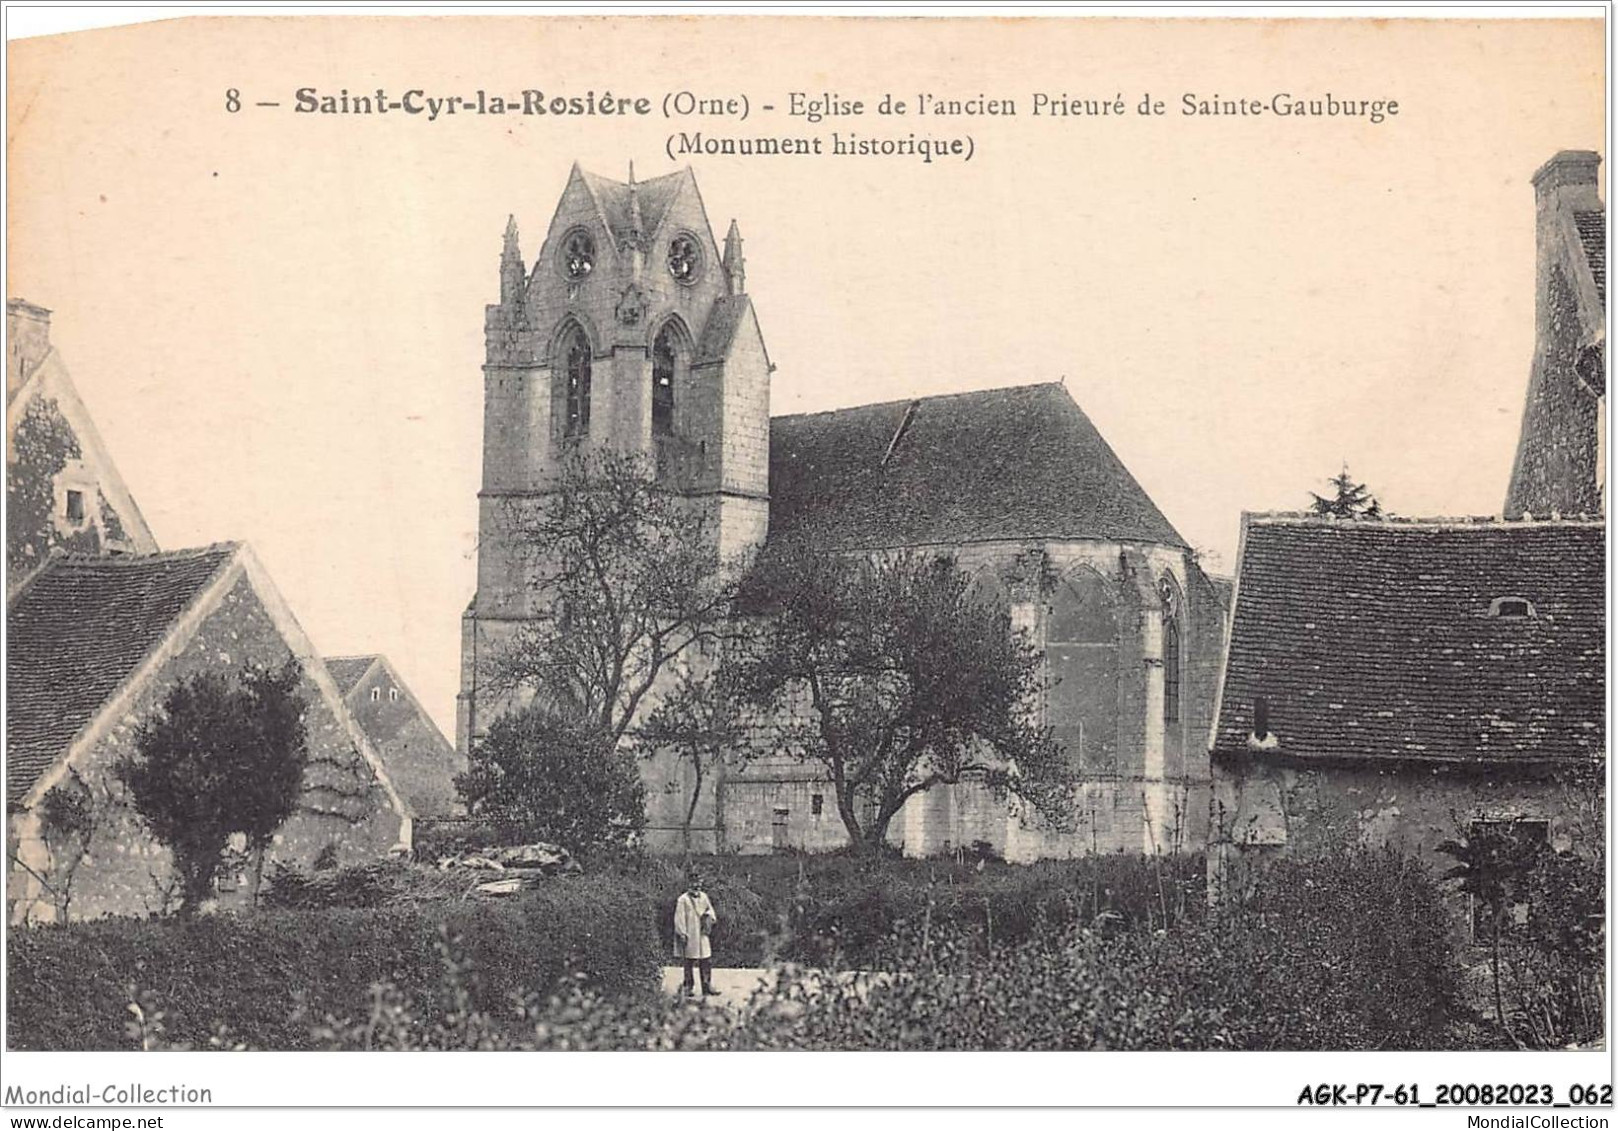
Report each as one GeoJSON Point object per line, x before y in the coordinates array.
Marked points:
{"type": "Point", "coordinates": [1171, 672]}
{"type": "Point", "coordinates": [1081, 652]}
{"type": "Point", "coordinates": [663, 366]}
{"type": "Point", "coordinates": [1170, 597]}
{"type": "Point", "coordinates": [576, 368]}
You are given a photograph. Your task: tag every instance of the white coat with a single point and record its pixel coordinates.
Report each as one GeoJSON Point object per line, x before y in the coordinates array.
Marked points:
{"type": "Point", "coordinates": [690, 916]}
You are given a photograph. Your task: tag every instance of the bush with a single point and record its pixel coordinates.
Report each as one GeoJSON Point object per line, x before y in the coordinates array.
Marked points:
{"type": "Point", "coordinates": [543, 776]}
{"type": "Point", "coordinates": [1553, 965]}
{"type": "Point", "coordinates": [268, 974]}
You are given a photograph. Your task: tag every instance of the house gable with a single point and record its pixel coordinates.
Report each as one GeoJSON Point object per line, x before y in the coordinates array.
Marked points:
{"type": "Point", "coordinates": [63, 492]}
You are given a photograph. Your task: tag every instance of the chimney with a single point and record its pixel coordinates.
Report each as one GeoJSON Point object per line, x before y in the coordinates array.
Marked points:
{"type": "Point", "coordinates": [28, 340]}
{"type": "Point", "coordinates": [1565, 184]}
{"type": "Point", "coordinates": [1570, 176]}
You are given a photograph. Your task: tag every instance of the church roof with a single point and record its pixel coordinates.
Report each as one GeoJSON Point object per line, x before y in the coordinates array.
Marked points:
{"type": "Point", "coordinates": [1016, 463]}
{"type": "Point", "coordinates": [654, 197]}
{"type": "Point", "coordinates": [76, 632]}
{"type": "Point", "coordinates": [346, 671]}
{"type": "Point", "coordinates": [1376, 642]}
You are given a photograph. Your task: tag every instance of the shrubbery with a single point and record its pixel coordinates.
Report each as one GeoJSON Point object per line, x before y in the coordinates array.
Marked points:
{"type": "Point", "coordinates": [270, 975]}
{"type": "Point", "coordinates": [1300, 967]}
{"type": "Point", "coordinates": [1346, 951]}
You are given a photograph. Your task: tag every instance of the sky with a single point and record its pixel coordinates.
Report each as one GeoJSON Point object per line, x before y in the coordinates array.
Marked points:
{"type": "Point", "coordinates": [276, 318]}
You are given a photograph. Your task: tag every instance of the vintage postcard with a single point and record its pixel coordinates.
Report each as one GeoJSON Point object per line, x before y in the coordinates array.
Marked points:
{"type": "Point", "coordinates": [937, 532]}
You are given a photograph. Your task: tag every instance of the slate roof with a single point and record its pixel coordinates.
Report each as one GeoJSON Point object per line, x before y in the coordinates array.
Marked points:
{"type": "Point", "coordinates": [1023, 462]}
{"type": "Point", "coordinates": [613, 196]}
{"type": "Point", "coordinates": [1593, 235]}
{"type": "Point", "coordinates": [1373, 641]}
{"type": "Point", "coordinates": [348, 670]}
{"type": "Point", "coordinates": [76, 632]}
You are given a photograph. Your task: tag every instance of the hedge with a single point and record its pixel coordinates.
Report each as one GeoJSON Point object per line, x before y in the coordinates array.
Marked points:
{"type": "Point", "coordinates": [269, 975]}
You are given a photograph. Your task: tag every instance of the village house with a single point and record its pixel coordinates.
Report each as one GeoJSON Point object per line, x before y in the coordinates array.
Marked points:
{"type": "Point", "coordinates": [420, 761]}
{"type": "Point", "coordinates": [633, 328]}
{"type": "Point", "coordinates": [99, 627]}
{"type": "Point", "coordinates": [1406, 682]}
{"type": "Point", "coordinates": [62, 491]}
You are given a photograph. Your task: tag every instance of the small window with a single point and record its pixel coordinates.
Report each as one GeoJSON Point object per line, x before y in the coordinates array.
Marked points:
{"type": "Point", "coordinates": [393, 695]}
{"type": "Point", "coordinates": [376, 694]}
{"type": "Point", "coordinates": [1511, 608]}
{"type": "Point", "coordinates": [817, 804]}
{"type": "Point", "coordinates": [75, 506]}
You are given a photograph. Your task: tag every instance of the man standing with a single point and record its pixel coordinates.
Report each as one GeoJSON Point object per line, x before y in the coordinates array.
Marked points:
{"type": "Point", "coordinates": [693, 923]}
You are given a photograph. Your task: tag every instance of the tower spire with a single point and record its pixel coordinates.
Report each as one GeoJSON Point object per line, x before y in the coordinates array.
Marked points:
{"type": "Point", "coordinates": [511, 267]}
{"type": "Point", "coordinates": [735, 264]}
{"type": "Point", "coordinates": [637, 227]}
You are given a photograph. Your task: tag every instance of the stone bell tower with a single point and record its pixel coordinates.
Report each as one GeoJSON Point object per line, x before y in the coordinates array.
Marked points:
{"type": "Point", "coordinates": [632, 329]}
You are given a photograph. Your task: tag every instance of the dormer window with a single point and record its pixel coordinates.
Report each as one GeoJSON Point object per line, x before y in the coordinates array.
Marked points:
{"type": "Point", "coordinates": [75, 506]}
{"type": "Point", "coordinates": [1511, 608]}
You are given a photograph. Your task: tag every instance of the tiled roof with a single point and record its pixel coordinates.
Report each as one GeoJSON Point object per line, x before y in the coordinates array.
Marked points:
{"type": "Point", "coordinates": [347, 670]}
{"type": "Point", "coordinates": [654, 195]}
{"type": "Point", "coordinates": [1373, 641]}
{"type": "Point", "coordinates": [1013, 463]}
{"type": "Point", "coordinates": [76, 633]}
{"type": "Point", "coordinates": [1593, 234]}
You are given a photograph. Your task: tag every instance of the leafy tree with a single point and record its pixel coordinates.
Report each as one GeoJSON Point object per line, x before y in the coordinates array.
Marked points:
{"type": "Point", "coordinates": [1492, 864]}
{"type": "Point", "coordinates": [630, 580]}
{"type": "Point", "coordinates": [896, 678]}
{"type": "Point", "coordinates": [1349, 499]}
{"type": "Point", "coordinates": [220, 756]}
{"type": "Point", "coordinates": [540, 775]}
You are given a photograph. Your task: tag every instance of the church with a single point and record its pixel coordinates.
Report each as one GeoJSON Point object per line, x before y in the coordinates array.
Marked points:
{"type": "Point", "coordinates": [633, 328]}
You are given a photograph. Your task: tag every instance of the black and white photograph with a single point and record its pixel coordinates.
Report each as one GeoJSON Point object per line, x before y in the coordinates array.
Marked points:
{"type": "Point", "coordinates": [738, 532]}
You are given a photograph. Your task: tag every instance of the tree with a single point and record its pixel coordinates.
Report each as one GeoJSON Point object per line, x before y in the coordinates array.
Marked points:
{"type": "Point", "coordinates": [220, 756]}
{"type": "Point", "coordinates": [698, 721]}
{"type": "Point", "coordinates": [630, 579]}
{"type": "Point", "coordinates": [540, 775]}
{"type": "Point", "coordinates": [1350, 500]}
{"type": "Point", "coordinates": [1492, 864]}
{"type": "Point", "coordinates": [896, 678]}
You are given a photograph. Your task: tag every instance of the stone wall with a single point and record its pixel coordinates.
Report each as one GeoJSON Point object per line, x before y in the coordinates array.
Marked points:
{"type": "Point", "coordinates": [1262, 809]}
{"type": "Point", "coordinates": [1556, 467]}
{"type": "Point", "coordinates": [45, 460]}
{"type": "Point", "coordinates": [345, 811]}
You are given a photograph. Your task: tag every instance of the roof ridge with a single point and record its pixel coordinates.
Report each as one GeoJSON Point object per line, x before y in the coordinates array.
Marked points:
{"type": "Point", "coordinates": [186, 554]}
{"type": "Point", "coordinates": [354, 656]}
{"type": "Point", "coordinates": [1435, 522]}
{"type": "Point", "coordinates": [923, 399]}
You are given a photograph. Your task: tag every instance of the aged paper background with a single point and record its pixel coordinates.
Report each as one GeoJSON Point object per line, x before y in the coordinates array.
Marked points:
{"type": "Point", "coordinates": [276, 318]}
